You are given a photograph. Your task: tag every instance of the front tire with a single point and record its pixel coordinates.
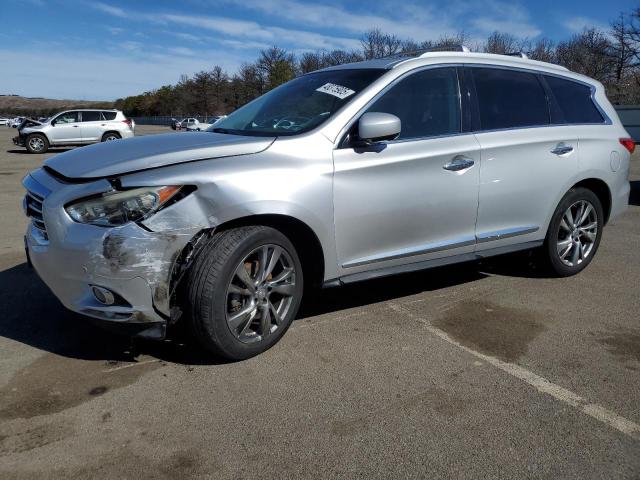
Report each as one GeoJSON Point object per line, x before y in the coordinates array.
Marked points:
{"type": "Point", "coordinates": [574, 232]}
{"type": "Point", "coordinates": [37, 143]}
{"type": "Point", "coordinates": [244, 291]}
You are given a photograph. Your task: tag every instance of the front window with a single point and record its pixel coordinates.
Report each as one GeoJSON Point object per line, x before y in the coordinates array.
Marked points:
{"type": "Point", "coordinates": [299, 105]}
{"type": "Point", "coordinates": [427, 103]}
{"type": "Point", "coordinates": [67, 117]}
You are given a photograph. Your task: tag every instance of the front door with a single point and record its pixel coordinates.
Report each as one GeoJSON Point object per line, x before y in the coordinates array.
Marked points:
{"type": "Point", "coordinates": [414, 198]}
{"type": "Point", "coordinates": [66, 129]}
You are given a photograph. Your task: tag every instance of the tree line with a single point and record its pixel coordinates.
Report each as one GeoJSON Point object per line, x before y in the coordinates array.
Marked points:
{"type": "Point", "coordinates": [611, 56]}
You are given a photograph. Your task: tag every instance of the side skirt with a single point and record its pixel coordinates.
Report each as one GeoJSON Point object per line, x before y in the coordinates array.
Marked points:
{"type": "Point", "coordinates": [438, 262]}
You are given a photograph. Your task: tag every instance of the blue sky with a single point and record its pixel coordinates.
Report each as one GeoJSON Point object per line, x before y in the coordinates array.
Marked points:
{"type": "Point", "coordinates": [109, 49]}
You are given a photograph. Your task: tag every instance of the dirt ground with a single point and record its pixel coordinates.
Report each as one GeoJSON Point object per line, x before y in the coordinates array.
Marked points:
{"type": "Point", "coordinates": [474, 371]}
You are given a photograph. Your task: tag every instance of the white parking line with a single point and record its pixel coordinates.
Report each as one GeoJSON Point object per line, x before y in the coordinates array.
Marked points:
{"type": "Point", "coordinates": [541, 384]}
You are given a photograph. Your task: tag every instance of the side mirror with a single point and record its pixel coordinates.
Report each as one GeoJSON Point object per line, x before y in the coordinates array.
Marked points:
{"type": "Point", "coordinates": [377, 127]}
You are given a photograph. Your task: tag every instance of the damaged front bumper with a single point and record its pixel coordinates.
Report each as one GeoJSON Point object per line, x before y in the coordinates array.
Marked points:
{"type": "Point", "coordinates": [133, 262]}
{"type": "Point", "coordinates": [19, 141]}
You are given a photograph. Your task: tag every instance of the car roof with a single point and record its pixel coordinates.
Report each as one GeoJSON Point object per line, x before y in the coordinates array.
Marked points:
{"type": "Point", "coordinates": [445, 56]}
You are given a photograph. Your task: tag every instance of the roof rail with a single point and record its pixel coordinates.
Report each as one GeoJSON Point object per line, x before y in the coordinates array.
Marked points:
{"type": "Point", "coordinates": [448, 48]}
{"type": "Point", "coordinates": [517, 54]}
{"type": "Point", "coordinates": [420, 52]}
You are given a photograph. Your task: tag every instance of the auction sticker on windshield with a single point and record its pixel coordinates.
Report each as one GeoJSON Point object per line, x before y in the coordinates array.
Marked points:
{"type": "Point", "coordinates": [335, 90]}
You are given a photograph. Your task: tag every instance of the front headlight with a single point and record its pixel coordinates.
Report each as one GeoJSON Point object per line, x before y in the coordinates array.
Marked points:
{"type": "Point", "coordinates": [117, 208]}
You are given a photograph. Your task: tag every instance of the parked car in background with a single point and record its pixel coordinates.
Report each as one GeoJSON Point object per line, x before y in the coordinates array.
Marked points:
{"type": "Point", "coordinates": [74, 127]}
{"type": "Point", "coordinates": [15, 123]}
{"type": "Point", "coordinates": [185, 123]}
{"type": "Point", "coordinates": [4, 121]}
{"type": "Point", "coordinates": [173, 124]}
{"type": "Point", "coordinates": [201, 127]}
{"type": "Point", "coordinates": [345, 174]}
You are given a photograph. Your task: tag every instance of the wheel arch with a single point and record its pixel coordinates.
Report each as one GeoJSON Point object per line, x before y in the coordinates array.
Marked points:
{"type": "Point", "coordinates": [110, 131]}
{"type": "Point", "coordinates": [303, 237]}
{"type": "Point", "coordinates": [39, 133]}
{"type": "Point", "coordinates": [600, 188]}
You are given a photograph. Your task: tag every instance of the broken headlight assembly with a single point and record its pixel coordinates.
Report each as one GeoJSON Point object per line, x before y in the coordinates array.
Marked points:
{"type": "Point", "coordinates": [119, 207]}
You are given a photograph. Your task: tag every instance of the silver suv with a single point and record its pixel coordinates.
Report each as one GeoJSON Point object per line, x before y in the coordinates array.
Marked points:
{"type": "Point", "coordinates": [341, 175]}
{"type": "Point", "coordinates": [74, 127]}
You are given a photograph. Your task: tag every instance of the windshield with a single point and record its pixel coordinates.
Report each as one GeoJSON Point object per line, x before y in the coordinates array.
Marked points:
{"type": "Point", "coordinates": [299, 105]}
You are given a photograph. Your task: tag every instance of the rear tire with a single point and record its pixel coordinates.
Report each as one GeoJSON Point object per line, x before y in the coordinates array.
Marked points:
{"type": "Point", "coordinates": [574, 232]}
{"type": "Point", "coordinates": [238, 308]}
{"type": "Point", "coordinates": [110, 136]}
{"type": "Point", "coordinates": [36, 143]}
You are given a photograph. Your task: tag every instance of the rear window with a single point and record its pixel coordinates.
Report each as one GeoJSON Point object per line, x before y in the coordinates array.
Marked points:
{"type": "Point", "coordinates": [509, 99]}
{"type": "Point", "coordinates": [91, 116]}
{"type": "Point", "coordinates": [109, 115]}
{"type": "Point", "coordinates": [574, 102]}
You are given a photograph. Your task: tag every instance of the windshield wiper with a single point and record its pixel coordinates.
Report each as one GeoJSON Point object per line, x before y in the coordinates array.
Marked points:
{"type": "Point", "coordinates": [225, 130]}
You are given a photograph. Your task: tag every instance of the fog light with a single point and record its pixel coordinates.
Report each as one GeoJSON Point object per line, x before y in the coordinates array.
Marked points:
{"type": "Point", "coordinates": [103, 295]}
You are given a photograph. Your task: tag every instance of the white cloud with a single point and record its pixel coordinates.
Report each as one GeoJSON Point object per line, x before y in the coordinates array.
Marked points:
{"type": "Point", "coordinates": [406, 20]}
{"type": "Point", "coordinates": [115, 30]}
{"type": "Point", "coordinates": [254, 31]}
{"type": "Point", "coordinates": [511, 18]}
{"type": "Point", "coordinates": [244, 44]}
{"type": "Point", "coordinates": [187, 36]}
{"type": "Point", "coordinates": [182, 51]}
{"type": "Point", "coordinates": [110, 9]}
{"type": "Point", "coordinates": [104, 76]}
{"type": "Point", "coordinates": [578, 24]}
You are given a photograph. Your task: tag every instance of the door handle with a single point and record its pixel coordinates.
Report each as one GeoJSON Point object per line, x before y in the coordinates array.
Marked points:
{"type": "Point", "coordinates": [459, 163]}
{"type": "Point", "coordinates": [561, 149]}
{"type": "Point", "coordinates": [76, 126]}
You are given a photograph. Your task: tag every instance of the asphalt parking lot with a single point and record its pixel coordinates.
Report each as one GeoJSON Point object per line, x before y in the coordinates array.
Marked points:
{"type": "Point", "coordinates": [478, 370]}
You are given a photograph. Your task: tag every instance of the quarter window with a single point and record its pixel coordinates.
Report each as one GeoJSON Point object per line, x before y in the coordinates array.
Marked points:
{"type": "Point", "coordinates": [109, 115]}
{"type": "Point", "coordinates": [574, 100]}
{"type": "Point", "coordinates": [91, 116]}
{"type": "Point", "coordinates": [427, 103]}
{"type": "Point", "coordinates": [509, 99]}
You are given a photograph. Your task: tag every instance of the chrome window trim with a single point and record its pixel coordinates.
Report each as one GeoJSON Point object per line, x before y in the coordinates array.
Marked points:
{"type": "Point", "coordinates": [592, 88]}
{"type": "Point", "coordinates": [395, 81]}
{"type": "Point", "coordinates": [606, 119]}
{"type": "Point", "coordinates": [343, 132]}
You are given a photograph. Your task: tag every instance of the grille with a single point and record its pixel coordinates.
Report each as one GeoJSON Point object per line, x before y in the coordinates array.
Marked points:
{"type": "Point", "coordinates": [33, 203]}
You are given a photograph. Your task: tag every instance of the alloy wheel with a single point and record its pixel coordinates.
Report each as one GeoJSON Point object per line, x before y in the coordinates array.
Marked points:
{"type": "Point", "coordinates": [577, 233]}
{"type": "Point", "coordinates": [260, 293]}
{"type": "Point", "coordinates": [36, 144]}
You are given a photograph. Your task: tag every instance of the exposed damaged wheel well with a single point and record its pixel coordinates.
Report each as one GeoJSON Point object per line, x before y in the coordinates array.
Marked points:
{"type": "Point", "coordinates": [300, 234]}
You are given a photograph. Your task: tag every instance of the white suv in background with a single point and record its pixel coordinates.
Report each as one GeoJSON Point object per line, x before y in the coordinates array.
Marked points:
{"type": "Point", "coordinates": [188, 123]}
{"type": "Point", "coordinates": [75, 127]}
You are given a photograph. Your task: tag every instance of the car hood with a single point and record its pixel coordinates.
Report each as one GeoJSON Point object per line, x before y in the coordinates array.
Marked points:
{"type": "Point", "coordinates": [114, 158]}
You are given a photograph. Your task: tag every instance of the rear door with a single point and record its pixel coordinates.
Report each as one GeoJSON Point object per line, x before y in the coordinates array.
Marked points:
{"type": "Point", "coordinates": [92, 125]}
{"type": "Point", "coordinates": [65, 129]}
{"type": "Point", "coordinates": [526, 161]}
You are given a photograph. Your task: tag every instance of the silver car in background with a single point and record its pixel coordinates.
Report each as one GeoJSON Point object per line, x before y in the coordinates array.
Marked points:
{"type": "Point", "coordinates": [346, 174]}
{"type": "Point", "coordinates": [73, 128]}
